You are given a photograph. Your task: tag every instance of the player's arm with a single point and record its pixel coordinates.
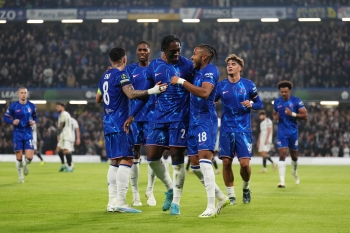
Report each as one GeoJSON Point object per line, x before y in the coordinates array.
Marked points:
{"type": "Point", "coordinates": [61, 124]}
{"type": "Point", "coordinates": [131, 93]}
{"type": "Point", "coordinates": [34, 117]}
{"type": "Point", "coordinates": [258, 141]}
{"type": "Point", "coordinates": [202, 92]}
{"type": "Point", "coordinates": [8, 117]}
{"type": "Point", "coordinates": [77, 133]}
{"type": "Point", "coordinates": [98, 96]}
{"type": "Point", "coordinates": [276, 117]}
{"type": "Point", "coordinates": [301, 114]}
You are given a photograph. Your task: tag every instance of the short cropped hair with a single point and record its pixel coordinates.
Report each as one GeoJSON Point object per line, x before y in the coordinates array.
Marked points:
{"type": "Point", "coordinates": [167, 40]}
{"type": "Point", "coordinates": [285, 83]}
{"type": "Point", "coordinates": [60, 103]}
{"type": "Point", "coordinates": [262, 112]}
{"type": "Point", "coordinates": [116, 54]}
{"type": "Point", "coordinates": [235, 58]}
{"type": "Point", "coordinates": [143, 42]}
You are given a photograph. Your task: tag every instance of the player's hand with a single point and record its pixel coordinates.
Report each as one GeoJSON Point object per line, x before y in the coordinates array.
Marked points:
{"type": "Point", "coordinates": [288, 111]}
{"type": "Point", "coordinates": [127, 124]}
{"type": "Point", "coordinates": [158, 88]}
{"type": "Point", "coordinates": [276, 117]}
{"type": "Point", "coordinates": [16, 122]}
{"type": "Point", "coordinates": [174, 80]}
{"type": "Point", "coordinates": [247, 103]}
{"type": "Point", "coordinates": [77, 142]}
{"type": "Point", "coordinates": [31, 123]}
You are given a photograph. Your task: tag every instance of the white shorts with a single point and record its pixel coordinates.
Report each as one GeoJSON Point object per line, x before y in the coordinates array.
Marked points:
{"type": "Point", "coordinates": [263, 147]}
{"type": "Point", "coordinates": [66, 145]}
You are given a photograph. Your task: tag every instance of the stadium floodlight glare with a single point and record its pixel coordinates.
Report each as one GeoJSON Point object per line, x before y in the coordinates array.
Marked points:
{"type": "Point", "coordinates": [2, 21]}
{"type": "Point", "coordinates": [147, 20]}
{"type": "Point", "coordinates": [2, 101]}
{"type": "Point", "coordinates": [38, 101]}
{"type": "Point", "coordinates": [309, 19]}
{"type": "Point", "coordinates": [190, 20]}
{"type": "Point", "coordinates": [269, 20]}
{"type": "Point", "coordinates": [78, 102]}
{"type": "Point", "coordinates": [35, 21]}
{"type": "Point", "coordinates": [71, 20]}
{"type": "Point", "coordinates": [109, 20]}
{"type": "Point", "coordinates": [228, 20]}
{"type": "Point", "coordinates": [345, 19]}
{"type": "Point", "coordinates": [333, 103]}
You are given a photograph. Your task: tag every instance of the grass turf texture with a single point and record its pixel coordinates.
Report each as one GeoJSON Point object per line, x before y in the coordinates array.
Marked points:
{"type": "Point", "coordinates": [50, 201]}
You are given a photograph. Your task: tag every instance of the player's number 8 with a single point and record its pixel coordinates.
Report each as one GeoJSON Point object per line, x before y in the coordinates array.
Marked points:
{"type": "Point", "coordinates": [105, 93]}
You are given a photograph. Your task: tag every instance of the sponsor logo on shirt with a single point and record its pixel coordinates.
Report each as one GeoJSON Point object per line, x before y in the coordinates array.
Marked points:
{"type": "Point", "coordinates": [224, 92]}
{"type": "Point", "coordinates": [135, 75]}
{"type": "Point", "coordinates": [208, 75]}
{"type": "Point", "coordinates": [156, 74]}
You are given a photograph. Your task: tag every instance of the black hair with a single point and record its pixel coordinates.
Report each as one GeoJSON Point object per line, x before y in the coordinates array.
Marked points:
{"type": "Point", "coordinates": [116, 54]}
{"type": "Point", "coordinates": [144, 42]}
{"type": "Point", "coordinates": [60, 103]}
{"type": "Point", "coordinates": [285, 83]}
{"type": "Point", "coordinates": [262, 112]}
{"type": "Point", "coordinates": [213, 53]}
{"type": "Point", "coordinates": [167, 40]}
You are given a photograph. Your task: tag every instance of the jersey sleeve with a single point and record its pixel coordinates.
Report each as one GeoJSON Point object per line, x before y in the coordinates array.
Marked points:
{"type": "Point", "coordinates": [149, 77]}
{"type": "Point", "coordinates": [34, 114]}
{"type": "Point", "coordinates": [275, 106]}
{"type": "Point", "coordinates": [299, 104]}
{"type": "Point", "coordinates": [209, 77]}
{"type": "Point", "coordinates": [8, 117]}
{"type": "Point", "coordinates": [253, 91]}
{"type": "Point", "coordinates": [269, 123]}
{"type": "Point", "coordinates": [75, 123]}
{"type": "Point", "coordinates": [123, 79]}
{"type": "Point", "coordinates": [218, 92]}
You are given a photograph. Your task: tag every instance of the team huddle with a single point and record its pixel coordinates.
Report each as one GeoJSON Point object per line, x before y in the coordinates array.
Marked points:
{"type": "Point", "coordinates": [172, 108]}
{"type": "Point", "coordinates": [169, 104]}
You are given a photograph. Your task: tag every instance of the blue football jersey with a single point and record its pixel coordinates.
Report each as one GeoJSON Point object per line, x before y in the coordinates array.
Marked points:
{"type": "Point", "coordinates": [115, 102]}
{"type": "Point", "coordinates": [173, 104]}
{"type": "Point", "coordinates": [24, 113]}
{"type": "Point", "coordinates": [138, 77]}
{"type": "Point", "coordinates": [287, 124]}
{"type": "Point", "coordinates": [235, 116]}
{"type": "Point", "coordinates": [204, 109]}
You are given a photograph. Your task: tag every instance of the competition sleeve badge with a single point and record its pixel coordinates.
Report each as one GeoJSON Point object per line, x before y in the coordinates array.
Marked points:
{"type": "Point", "coordinates": [123, 76]}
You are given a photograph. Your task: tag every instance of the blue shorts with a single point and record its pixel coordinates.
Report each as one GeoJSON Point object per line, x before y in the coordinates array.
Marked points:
{"type": "Point", "coordinates": [239, 144]}
{"type": "Point", "coordinates": [21, 145]}
{"type": "Point", "coordinates": [287, 141]}
{"type": "Point", "coordinates": [201, 137]}
{"type": "Point", "coordinates": [140, 130]}
{"type": "Point", "coordinates": [172, 134]}
{"type": "Point", "coordinates": [119, 145]}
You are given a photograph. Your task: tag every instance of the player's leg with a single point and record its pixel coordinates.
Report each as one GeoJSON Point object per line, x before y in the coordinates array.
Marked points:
{"type": "Point", "coordinates": [151, 201]}
{"type": "Point", "coordinates": [264, 157]}
{"type": "Point", "coordinates": [19, 160]}
{"type": "Point", "coordinates": [134, 177]}
{"type": "Point", "coordinates": [244, 154]}
{"type": "Point", "coordinates": [28, 152]}
{"type": "Point", "coordinates": [293, 149]}
{"type": "Point", "coordinates": [282, 146]}
{"type": "Point", "coordinates": [112, 184]}
{"type": "Point", "coordinates": [60, 153]}
{"type": "Point", "coordinates": [122, 148]}
{"type": "Point", "coordinates": [226, 154]}
{"type": "Point", "coordinates": [177, 144]}
{"type": "Point", "coordinates": [165, 159]}
{"type": "Point", "coordinates": [67, 151]}
{"type": "Point", "coordinates": [270, 159]}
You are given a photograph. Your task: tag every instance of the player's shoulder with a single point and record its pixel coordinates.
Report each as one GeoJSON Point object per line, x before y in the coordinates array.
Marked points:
{"type": "Point", "coordinates": [30, 103]}
{"type": "Point", "coordinates": [184, 61]}
{"type": "Point", "coordinates": [130, 68]}
{"type": "Point", "coordinates": [210, 68]}
{"type": "Point", "coordinates": [14, 104]}
{"type": "Point", "coordinates": [247, 81]}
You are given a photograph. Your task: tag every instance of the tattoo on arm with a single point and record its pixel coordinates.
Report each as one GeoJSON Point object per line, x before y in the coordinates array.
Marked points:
{"type": "Point", "coordinates": [134, 94]}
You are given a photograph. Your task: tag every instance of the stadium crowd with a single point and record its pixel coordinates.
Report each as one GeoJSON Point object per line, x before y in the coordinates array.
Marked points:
{"type": "Point", "coordinates": [56, 55]}
{"type": "Point", "coordinates": [325, 134]}
{"type": "Point", "coordinates": [175, 3]}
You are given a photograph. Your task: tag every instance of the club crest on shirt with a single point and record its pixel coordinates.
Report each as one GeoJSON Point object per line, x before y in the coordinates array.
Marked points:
{"type": "Point", "coordinates": [241, 91]}
{"type": "Point", "coordinates": [29, 110]}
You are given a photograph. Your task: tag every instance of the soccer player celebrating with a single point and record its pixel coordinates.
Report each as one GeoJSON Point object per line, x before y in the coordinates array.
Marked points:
{"type": "Point", "coordinates": [236, 94]}
{"type": "Point", "coordinates": [203, 123]}
{"type": "Point", "coordinates": [264, 141]}
{"type": "Point", "coordinates": [137, 73]}
{"type": "Point", "coordinates": [114, 89]}
{"type": "Point", "coordinates": [64, 138]}
{"type": "Point", "coordinates": [22, 114]}
{"type": "Point", "coordinates": [287, 110]}
{"type": "Point", "coordinates": [169, 125]}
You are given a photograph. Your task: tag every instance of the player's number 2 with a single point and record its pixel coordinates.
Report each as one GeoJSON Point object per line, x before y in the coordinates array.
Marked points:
{"type": "Point", "coordinates": [105, 93]}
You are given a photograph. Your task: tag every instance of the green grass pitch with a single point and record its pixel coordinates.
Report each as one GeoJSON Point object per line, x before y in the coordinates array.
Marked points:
{"type": "Point", "coordinates": [50, 201]}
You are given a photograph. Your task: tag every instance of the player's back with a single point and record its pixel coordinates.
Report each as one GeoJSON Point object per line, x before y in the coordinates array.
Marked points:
{"type": "Point", "coordinates": [66, 119]}
{"type": "Point", "coordinates": [200, 107]}
{"type": "Point", "coordinates": [264, 126]}
{"type": "Point", "coordinates": [235, 116]}
{"type": "Point", "coordinates": [173, 104]}
{"type": "Point", "coordinates": [286, 123]}
{"type": "Point", "coordinates": [74, 124]}
{"type": "Point", "coordinates": [115, 102]}
{"type": "Point", "coordinates": [138, 78]}
{"type": "Point", "coordinates": [24, 113]}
